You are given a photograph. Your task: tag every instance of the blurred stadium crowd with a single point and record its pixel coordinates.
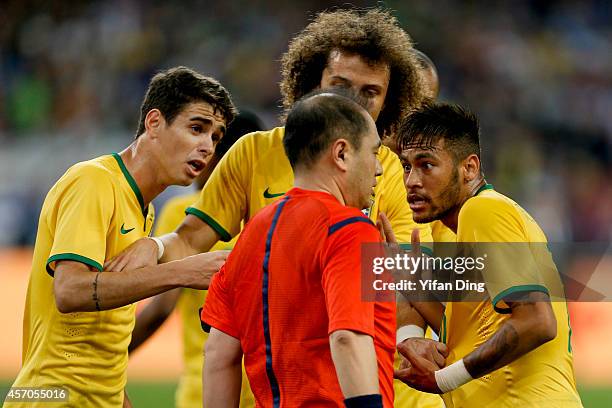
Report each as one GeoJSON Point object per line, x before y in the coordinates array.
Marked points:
{"type": "Point", "coordinates": [538, 73]}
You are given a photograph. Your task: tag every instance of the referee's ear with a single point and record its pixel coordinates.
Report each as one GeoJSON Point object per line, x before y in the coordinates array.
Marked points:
{"type": "Point", "coordinates": [471, 168]}
{"type": "Point", "coordinates": [339, 151]}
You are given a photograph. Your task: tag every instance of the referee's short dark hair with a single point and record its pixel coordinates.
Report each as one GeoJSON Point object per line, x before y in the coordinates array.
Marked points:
{"type": "Point", "coordinates": [320, 118]}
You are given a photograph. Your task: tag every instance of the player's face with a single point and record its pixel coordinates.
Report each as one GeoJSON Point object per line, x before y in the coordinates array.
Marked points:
{"type": "Point", "coordinates": [189, 142]}
{"type": "Point", "coordinates": [365, 168]}
{"type": "Point", "coordinates": [351, 71]}
{"type": "Point", "coordinates": [432, 181]}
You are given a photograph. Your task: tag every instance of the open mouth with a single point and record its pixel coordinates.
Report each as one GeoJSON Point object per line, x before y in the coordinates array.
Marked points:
{"type": "Point", "coordinates": [417, 202]}
{"type": "Point", "coordinates": [197, 165]}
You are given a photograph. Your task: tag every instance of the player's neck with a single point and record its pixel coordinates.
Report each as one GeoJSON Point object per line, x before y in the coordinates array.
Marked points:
{"type": "Point", "coordinates": [142, 171]}
{"type": "Point", "coordinates": [451, 218]}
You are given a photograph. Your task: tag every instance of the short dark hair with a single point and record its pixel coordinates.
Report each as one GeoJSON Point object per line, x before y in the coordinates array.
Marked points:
{"type": "Point", "coordinates": [457, 126]}
{"type": "Point", "coordinates": [319, 119]}
{"type": "Point", "coordinates": [172, 90]}
{"type": "Point", "coordinates": [373, 34]}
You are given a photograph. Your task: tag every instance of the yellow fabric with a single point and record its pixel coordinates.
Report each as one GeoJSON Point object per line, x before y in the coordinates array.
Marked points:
{"type": "Point", "coordinates": [189, 391]}
{"type": "Point", "coordinates": [545, 376]}
{"type": "Point", "coordinates": [82, 219]}
{"type": "Point", "coordinates": [256, 172]}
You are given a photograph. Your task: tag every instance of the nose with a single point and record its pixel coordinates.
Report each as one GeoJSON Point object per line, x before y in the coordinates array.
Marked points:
{"type": "Point", "coordinates": [206, 146]}
{"type": "Point", "coordinates": [412, 180]}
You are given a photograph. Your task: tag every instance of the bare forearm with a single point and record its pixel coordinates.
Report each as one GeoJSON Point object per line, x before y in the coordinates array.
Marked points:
{"type": "Point", "coordinates": [511, 341]}
{"type": "Point", "coordinates": [355, 362]}
{"type": "Point", "coordinates": [85, 291]}
{"type": "Point", "coordinates": [192, 237]}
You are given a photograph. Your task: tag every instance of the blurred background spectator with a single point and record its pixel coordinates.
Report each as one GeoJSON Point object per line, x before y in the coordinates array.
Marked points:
{"type": "Point", "coordinates": [538, 73]}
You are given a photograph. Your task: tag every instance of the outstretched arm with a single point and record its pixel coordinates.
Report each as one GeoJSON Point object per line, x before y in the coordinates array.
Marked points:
{"type": "Point", "coordinates": [531, 324]}
{"type": "Point", "coordinates": [192, 237]}
{"type": "Point", "coordinates": [78, 288]}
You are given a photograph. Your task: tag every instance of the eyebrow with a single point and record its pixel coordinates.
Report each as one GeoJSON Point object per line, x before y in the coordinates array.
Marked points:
{"type": "Point", "coordinates": [419, 156]}
{"type": "Point", "coordinates": [207, 121]}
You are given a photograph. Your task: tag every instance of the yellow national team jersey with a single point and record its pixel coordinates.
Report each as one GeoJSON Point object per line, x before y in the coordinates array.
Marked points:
{"type": "Point", "coordinates": [255, 172]}
{"type": "Point", "coordinates": [545, 376]}
{"type": "Point", "coordinates": [91, 214]}
{"type": "Point", "coordinates": [189, 391]}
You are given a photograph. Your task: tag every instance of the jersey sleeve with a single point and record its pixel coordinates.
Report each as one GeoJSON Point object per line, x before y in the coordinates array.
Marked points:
{"type": "Point", "coordinates": [217, 310]}
{"type": "Point", "coordinates": [496, 233]}
{"type": "Point", "coordinates": [341, 277]}
{"type": "Point", "coordinates": [84, 206]}
{"type": "Point", "coordinates": [395, 205]}
{"type": "Point", "coordinates": [223, 201]}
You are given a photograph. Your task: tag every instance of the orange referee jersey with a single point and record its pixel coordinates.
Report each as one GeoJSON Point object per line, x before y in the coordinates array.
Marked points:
{"type": "Point", "coordinates": [293, 278]}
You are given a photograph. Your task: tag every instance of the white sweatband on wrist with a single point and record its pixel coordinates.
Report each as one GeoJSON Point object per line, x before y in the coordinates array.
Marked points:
{"type": "Point", "coordinates": [407, 332]}
{"type": "Point", "coordinates": [452, 377]}
{"type": "Point", "coordinates": [160, 247]}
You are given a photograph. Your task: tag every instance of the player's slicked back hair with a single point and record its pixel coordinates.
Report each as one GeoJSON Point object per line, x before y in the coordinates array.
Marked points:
{"type": "Point", "coordinates": [172, 90]}
{"type": "Point", "coordinates": [374, 35]}
{"type": "Point", "coordinates": [432, 122]}
{"type": "Point", "coordinates": [319, 119]}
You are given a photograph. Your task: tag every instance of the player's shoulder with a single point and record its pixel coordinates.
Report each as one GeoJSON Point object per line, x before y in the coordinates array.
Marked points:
{"type": "Point", "coordinates": [98, 171]}
{"type": "Point", "coordinates": [486, 203]}
{"type": "Point", "coordinates": [262, 138]}
{"type": "Point", "coordinates": [387, 157]}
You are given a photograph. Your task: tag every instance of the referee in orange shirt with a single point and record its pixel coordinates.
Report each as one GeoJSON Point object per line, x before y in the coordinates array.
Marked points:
{"type": "Point", "coordinates": [289, 295]}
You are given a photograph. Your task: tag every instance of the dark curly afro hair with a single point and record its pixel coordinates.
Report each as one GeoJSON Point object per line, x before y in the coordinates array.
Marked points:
{"type": "Point", "coordinates": [373, 34]}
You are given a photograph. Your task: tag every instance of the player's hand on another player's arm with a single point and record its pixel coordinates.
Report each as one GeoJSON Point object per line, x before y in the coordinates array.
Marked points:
{"type": "Point", "coordinates": [417, 371]}
{"type": "Point", "coordinates": [141, 253]}
{"type": "Point", "coordinates": [429, 349]}
{"type": "Point", "coordinates": [197, 270]}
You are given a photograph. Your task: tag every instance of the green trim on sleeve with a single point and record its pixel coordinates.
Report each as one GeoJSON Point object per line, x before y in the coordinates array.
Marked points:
{"type": "Point", "coordinates": [514, 289]}
{"type": "Point", "coordinates": [225, 236]}
{"type": "Point", "coordinates": [424, 249]}
{"type": "Point", "coordinates": [131, 182]}
{"type": "Point", "coordinates": [71, 257]}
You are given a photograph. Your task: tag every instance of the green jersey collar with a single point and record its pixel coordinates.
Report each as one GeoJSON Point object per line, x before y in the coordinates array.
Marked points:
{"type": "Point", "coordinates": [130, 181]}
{"type": "Point", "coordinates": [483, 188]}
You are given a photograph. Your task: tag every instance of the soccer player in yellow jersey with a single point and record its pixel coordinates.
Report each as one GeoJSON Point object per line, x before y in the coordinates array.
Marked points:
{"type": "Point", "coordinates": [512, 349]}
{"type": "Point", "coordinates": [79, 318]}
{"type": "Point", "coordinates": [189, 301]}
{"type": "Point", "coordinates": [364, 51]}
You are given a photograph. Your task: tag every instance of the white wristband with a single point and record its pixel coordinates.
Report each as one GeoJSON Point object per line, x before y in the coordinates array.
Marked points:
{"type": "Point", "coordinates": [160, 247]}
{"type": "Point", "coordinates": [452, 377]}
{"type": "Point", "coordinates": [407, 332]}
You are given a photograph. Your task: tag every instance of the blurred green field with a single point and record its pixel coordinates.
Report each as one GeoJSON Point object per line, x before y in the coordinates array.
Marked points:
{"type": "Point", "coordinates": [161, 394]}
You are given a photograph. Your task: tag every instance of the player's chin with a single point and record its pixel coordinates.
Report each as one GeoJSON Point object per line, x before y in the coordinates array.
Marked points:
{"type": "Point", "coordinates": [422, 217]}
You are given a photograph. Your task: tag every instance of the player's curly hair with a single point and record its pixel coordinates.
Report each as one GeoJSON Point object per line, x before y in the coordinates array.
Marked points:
{"type": "Point", "coordinates": [373, 34]}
